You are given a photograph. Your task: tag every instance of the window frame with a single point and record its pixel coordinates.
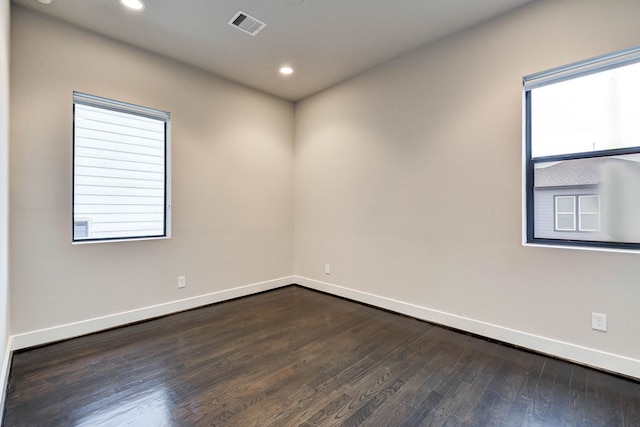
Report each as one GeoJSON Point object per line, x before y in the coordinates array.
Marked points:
{"type": "Point", "coordinates": [136, 110]}
{"type": "Point", "coordinates": [557, 213]}
{"type": "Point", "coordinates": [576, 213]}
{"type": "Point", "coordinates": [581, 212]}
{"type": "Point", "coordinates": [556, 75]}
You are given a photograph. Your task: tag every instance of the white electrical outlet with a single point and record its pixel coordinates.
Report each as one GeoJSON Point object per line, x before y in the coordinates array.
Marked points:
{"type": "Point", "coordinates": [599, 322]}
{"type": "Point", "coordinates": [182, 282]}
{"type": "Point", "coordinates": [327, 269]}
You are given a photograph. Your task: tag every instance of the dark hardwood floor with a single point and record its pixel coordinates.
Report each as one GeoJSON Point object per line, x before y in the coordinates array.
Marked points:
{"type": "Point", "coordinates": [295, 357]}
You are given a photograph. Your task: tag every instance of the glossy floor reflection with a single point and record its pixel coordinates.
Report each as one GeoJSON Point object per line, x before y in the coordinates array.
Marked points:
{"type": "Point", "coordinates": [147, 408]}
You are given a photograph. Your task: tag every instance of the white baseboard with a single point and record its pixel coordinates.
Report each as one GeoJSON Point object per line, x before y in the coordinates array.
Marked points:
{"type": "Point", "coordinates": [4, 374]}
{"type": "Point", "coordinates": [576, 353]}
{"type": "Point", "coordinates": [71, 330]}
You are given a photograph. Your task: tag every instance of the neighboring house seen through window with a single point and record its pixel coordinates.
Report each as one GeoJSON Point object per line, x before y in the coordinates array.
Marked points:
{"type": "Point", "coordinates": [120, 170]}
{"type": "Point", "coordinates": [582, 153]}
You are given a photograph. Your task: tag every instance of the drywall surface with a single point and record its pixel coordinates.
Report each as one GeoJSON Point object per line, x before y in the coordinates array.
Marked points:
{"type": "Point", "coordinates": [408, 183]}
{"type": "Point", "coordinates": [231, 172]}
{"type": "Point", "coordinates": [4, 193]}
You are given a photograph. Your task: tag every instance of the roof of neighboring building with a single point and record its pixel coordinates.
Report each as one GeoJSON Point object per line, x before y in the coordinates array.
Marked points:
{"type": "Point", "coordinates": [578, 172]}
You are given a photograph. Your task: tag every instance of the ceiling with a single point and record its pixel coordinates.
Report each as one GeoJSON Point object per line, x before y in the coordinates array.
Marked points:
{"type": "Point", "coordinates": [325, 41]}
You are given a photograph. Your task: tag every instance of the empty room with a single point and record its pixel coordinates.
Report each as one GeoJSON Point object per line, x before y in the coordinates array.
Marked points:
{"type": "Point", "coordinates": [319, 212]}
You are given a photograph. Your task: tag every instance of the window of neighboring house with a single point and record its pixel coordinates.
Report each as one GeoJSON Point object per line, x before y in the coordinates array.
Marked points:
{"type": "Point", "coordinates": [585, 218]}
{"type": "Point", "coordinates": [582, 153]}
{"type": "Point", "coordinates": [565, 213]}
{"type": "Point", "coordinates": [589, 213]}
{"type": "Point", "coordinates": [121, 185]}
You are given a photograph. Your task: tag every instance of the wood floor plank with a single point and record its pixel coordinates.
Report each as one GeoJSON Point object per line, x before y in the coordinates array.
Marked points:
{"type": "Point", "coordinates": [326, 413]}
{"type": "Point", "coordinates": [602, 401]}
{"type": "Point", "coordinates": [630, 396]}
{"type": "Point", "coordinates": [522, 405]}
{"type": "Point", "coordinates": [543, 391]}
{"type": "Point", "coordinates": [563, 409]}
{"type": "Point", "coordinates": [295, 357]}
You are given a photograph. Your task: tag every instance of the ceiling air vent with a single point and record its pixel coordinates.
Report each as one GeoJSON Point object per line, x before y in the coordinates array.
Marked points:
{"type": "Point", "coordinates": [246, 23]}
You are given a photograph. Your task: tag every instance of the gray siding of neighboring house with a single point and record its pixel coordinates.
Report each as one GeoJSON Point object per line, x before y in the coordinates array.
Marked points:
{"type": "Point", "coordinates": [614, 179]}
{"type": "Point", "coordinates": [544, 214]}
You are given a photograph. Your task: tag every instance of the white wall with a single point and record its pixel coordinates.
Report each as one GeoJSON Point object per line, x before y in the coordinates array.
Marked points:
{"type": "Point", "coordinates": [232, 174]}
{"type": "Point", "coordinates": [408, 182]}
{"type": "Point", "coordinates": [4, 195]}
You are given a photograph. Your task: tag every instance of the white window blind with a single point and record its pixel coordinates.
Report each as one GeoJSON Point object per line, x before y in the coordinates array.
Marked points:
{"type": "Point", "coordinates": [582, 68]}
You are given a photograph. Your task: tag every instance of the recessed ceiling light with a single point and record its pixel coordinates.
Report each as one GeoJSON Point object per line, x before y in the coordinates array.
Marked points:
{"type": "Point", "coordinates": [45, 1]}
{"type": "Point", "coordinates": [133, 4]}
{"type": "Point", "coordinates": [286, 70]}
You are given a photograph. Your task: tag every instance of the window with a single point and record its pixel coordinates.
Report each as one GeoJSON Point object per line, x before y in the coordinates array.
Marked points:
{"type": "Point", "coordinates": [121, 187]}
{"type": "Point", "coordinates": [582, 153]}
{"type": "Point", "coordinates": [565, 213]}
{"type": "Point", "coordinates": [587, 218]}
{"type": "Point", "coordinates": [589, 213]}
